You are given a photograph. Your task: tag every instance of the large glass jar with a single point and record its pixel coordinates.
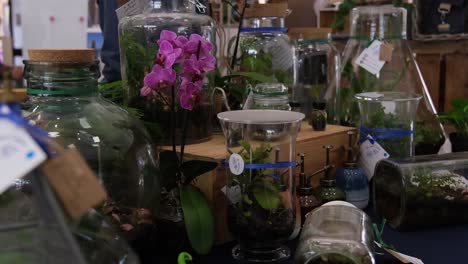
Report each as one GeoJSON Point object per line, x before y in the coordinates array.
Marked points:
{"type": "Point", "coordinates": [264, 47]}
{"type": "Point", "coordinates": [317, 63]}
{"type": "Point", "coordinates": [336, 233]}
{"type": "Point", "coordinates": [64, 101]}
{"type": "Point", "coordinates": [400, 73]}
{"type": "Point", "coordinates": [422, 191]}
{"type": "Point", "coordinates": [261, 147]}
{"type": "Point", "coordinates": [138, 37]}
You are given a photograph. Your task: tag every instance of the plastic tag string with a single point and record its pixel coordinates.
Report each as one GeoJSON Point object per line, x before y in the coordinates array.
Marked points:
{"type": "Point", "coordinates": [383, 133]}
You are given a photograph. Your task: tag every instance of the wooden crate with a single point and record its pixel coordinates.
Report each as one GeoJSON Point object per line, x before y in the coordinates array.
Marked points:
{"type": "Point", "coordinates": [309, 142]}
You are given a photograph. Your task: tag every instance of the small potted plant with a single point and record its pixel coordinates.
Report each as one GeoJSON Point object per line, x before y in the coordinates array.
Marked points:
{"type": "Point", "coordinates": [458, 117]}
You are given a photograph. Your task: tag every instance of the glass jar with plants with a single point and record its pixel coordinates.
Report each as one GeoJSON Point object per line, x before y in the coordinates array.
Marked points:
{"type": "Point", "coordinates": [140, 38]}
{"type": "Point", "coordinates": [422, 191]}
{"type": "Point", "coordinates": [458, 118]}
{"type": "Point", "coordinates": [260, 189]}
{"type": "Point", "coordinates": [63, 100]}
{"type": "Point", "coordinates": [383, 27]}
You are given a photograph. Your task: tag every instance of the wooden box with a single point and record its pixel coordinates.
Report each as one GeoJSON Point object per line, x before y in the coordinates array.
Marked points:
{"type": "Point", "coordinates": [309, 142]}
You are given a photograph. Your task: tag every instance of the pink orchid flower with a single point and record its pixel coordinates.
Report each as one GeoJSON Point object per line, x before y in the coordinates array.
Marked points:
{"type": "Point", "coordinates": [195, 40]}
{"type": "Point", "coordinates": [158, 79]}
{"type": "Point", "coordinates": [189, 94]}
{"type": "Point", "coordinates": [167, 55]}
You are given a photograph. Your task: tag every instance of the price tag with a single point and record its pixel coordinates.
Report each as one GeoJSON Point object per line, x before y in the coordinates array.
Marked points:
{"type": "Point", "coordinates": [403, 258]}
{"type": "Point", "coordinates": [371, 153]}
{"type": "Point", "coordinates": [386, 52]}
{"type": "Point", "coordinates": [19, 153]}
{"type": "Point", "coordinates": [236, 164]}
{"type": "Point", "coordinates": [369, 59]}
{"type": "Point", "coordinates": [131, 8]}
{"type": "Point", "coordinates": [233, 193]}
{"type": "Point", "coordinates": [74, 182]}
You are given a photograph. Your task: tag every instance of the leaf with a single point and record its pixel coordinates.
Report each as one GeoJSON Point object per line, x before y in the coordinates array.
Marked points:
{"type": "Point", "coordinates": [168, 161]}
{"type": "Point", "coordinates": [267, 195]}
{"type": "Point", "coordinates": [194, 168]}
{"type": "Point", "coordinates": [198, 219]}
{"type": "Point", "coordinates": [255, 76]}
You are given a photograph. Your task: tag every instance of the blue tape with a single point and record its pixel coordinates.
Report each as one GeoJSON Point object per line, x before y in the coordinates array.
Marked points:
{"type": "Point", "coordinates": [277, 165]}
{"type": "Point", "coordinates": [264, 29]}
{"type": "Point", "coordinates": [384, 133]}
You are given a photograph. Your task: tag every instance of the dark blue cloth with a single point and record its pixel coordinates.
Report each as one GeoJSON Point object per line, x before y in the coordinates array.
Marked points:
{"type": "Point", "coordinates": [110, 54]}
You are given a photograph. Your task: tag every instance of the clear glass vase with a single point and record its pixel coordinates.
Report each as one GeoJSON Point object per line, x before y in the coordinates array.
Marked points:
{"type": "Point", "coordinates": [389, 118]}
{"type": "Point", "coordinates": [261, 159]}
{"type": "Point", "coordinates": [422, 191]}
{"type": "Point", "coordinates": [400, 74]}
{"type": "Point", "coordinates": [138, 37]}
{"type": "Point", "coordinates": [336, 233]}
{"type": "Point", "coordinates": [63, 100]}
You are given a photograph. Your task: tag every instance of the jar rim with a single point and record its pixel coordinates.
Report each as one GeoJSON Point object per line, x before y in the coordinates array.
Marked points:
{"type": "Point", "coordinates": [252, 117]}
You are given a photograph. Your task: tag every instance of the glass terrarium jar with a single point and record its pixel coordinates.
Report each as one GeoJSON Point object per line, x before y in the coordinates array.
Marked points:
{"type": "Point", "coordinates": [273, 96]}
{"type": "Point", "coordinates": [261, 161]}
{"type": "Point", "coordinates": [318, 116]}
{"type": "Point", "coordinates": [400, 73]}
{"type": "Point", "coordinates": [138, 37]}
{"type": "Point", "coordinates": [422, 191]}
{"type": "Point", "coordinates": [316, 63]}
{"type": "Point", "coordinates": [336, 233]}
{"type": "Point", "coordinates": [388, 117]}
{"type": "Point", "coordinates": [264, 47]}
{"type": "Point", "coordinates": [64, 101]}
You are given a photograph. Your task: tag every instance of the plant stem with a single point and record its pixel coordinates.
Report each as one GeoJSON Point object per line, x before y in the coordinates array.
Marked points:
{"type": "Point", "coordinates": [162, 98]}
{"type": "Point", "coordinates": [184, 134]}
{"type": "Point", "coordinates": [173, 119]}
{"type": "Point", "coordinates": [233, 62]}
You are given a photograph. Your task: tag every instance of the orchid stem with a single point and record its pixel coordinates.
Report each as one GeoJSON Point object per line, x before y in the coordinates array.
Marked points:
{"type": "Point", "coordinates": [184, 134]}
{"type": "Point", "coordinates": [236, 46]}
{"type": "Point", "coordinates": [173, 119]}
{"type": "Point", "coordinates": [198, 50]}
{"type": "Point", "coordinates": [162, 98]}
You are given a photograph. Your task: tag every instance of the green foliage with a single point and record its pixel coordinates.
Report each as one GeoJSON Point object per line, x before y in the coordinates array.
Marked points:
{"type": "Point", "coordinates": [425, 183]}
{"type": "Point", "coordinates": [266, 194]}
{"type": "Point", "coordinates": [198, 219]}
{"type": "Point", "coordinates": [112, 91]}
{"type": "Point", "coordinates": [426, 133]}
{"type": "Point", "coordinates": [458, 116]}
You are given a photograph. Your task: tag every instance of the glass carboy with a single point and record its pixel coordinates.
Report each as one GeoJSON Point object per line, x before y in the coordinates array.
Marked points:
{"type": "Point", "coordinates": [64, 101]}
{"type": "Point", "coordinates": [380, 31]}
{"type": "Point", "coordinates": [138, 37]}
{"type": "Point", "coordinates": [316, 64]}
{"type": "Point", "coordinates": [264, 47]}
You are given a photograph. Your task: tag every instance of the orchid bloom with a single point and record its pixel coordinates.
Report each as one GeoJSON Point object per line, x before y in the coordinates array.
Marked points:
{"type": "Point", "coordinates": [158, 79]}
{"type": "Point", "coordinates": [189, 94]}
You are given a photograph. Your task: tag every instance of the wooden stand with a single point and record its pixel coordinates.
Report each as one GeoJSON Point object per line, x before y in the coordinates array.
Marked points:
{"type": "Point", "coordinates": [309, 142]}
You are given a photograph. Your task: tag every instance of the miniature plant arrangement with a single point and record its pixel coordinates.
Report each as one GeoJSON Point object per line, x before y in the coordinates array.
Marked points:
{"type": "Point", "coordinates": [261, 213]}
{"type": "Point", "coordinates": [458, 117]}
{"type": "Point", "coordinates": [176, 79]}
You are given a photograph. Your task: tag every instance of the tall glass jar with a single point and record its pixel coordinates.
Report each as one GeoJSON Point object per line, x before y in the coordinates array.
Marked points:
{"type": "Point", "coordinates": [400, 73]}
{"type": "Point", "coordinates": [264, 47]}
{"type": "Point", "coordinates": [336, 233]}
{"type": "Point", "coordinates": [272, 96]}
{"type": "Point", "coordinates": [138, 37]}
{"type": "Point", "coordinates": [422, 191]}
{"type": "Point", "coordinates": [64, 101]}
{"type": "Point", "coordinates": [261, 147]}
{"type": "Point", "coordinates": [317, 63]}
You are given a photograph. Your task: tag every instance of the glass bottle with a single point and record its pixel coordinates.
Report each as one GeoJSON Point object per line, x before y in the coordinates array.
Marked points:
{"type": "Point", "coordinates": [318, 116]}
{"type": "Point", "coordinates": [261, 190]}
{"type": "Point", "coordinates": [138, 36]}
{"type": "Point", "coordinates": [272, 96]}
{"type": "Point", "coordinates": [64, 101]}
{"type": "Point", "coordinates": [352, 180]}
{"type": "Point", "coordinates": [422, 191]}
{"type": "Point", "coordinates": [328, 191]}
{"type": "Point", "coordinates": [306, 195]}
{"type": "Point", "coordinates": [400, 73]}
{"type": "Point", "coordinates": [336, 234]}
{"type": "Point", "coordinates": [389, 117]}
{"type": "Point", "coordinates": [316, 64]}
{"type": "Point", "coordinates": [264, 46]}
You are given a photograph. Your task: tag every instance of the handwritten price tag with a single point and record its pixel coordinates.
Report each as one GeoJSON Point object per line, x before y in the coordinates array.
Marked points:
{"type": "Point", "coordinates": [371, 153]}
{"type": "Point", "coordinates": [236, 164]}
{"type": "Point", "coordinates": [369, 59]}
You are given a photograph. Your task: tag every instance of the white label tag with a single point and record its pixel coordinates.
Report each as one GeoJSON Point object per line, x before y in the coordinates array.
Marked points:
{"type": "Point", "coordinates": [84, 123]}
{"type": "Point", "coordinates": [371, 153]}
{"type": "Point", "coordinates": [201, 8]}
{"type": "Point", "coordinates": [131, 8]}
{"type": "Point", "coordinates": [400, 256]}
{"type": "Point", "coordinates": [19, 153]}
{"type": "Point", "coordinates": [369, 59]}
{"type": "Point", "coordinates": [236, 164]}
{"type": "Point", "coordinates": [233, 193]}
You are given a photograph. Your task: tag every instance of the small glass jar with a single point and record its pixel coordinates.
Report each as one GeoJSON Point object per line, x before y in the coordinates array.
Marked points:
{"type": "Point", "coordinates": [422, 191]}
{"type": "Point", "coordinates": [273, 96]}
{"type": "Point", "coordinates": [328, 191]}
{"type": "Point", "coordinates": [336, 233]}
{"type": "Point", "coordinates": [318, 116]}
{"type": "Point", "coordinates": [63, 100]}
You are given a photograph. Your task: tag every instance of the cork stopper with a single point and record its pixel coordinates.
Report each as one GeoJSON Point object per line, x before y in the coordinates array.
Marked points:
{"type": "Point", "coordinates": [62, 55]}
{"type": "Point", "coordinates": [309, 33]}
{"type": "Point", "coordinates": [267, 10]}
{"type": "Point", "coordinates": [13, 95]}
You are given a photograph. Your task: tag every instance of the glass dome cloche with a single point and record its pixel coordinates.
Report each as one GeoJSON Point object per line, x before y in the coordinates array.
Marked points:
{"type": "Point", "coordinates": [138, 38]}
{"type": "Point", "coordinates": [400, 73]}
{"type": "Point", "coordinates": [63, 99]}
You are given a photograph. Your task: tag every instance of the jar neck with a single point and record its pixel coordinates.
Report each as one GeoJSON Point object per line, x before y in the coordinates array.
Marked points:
{"type": "Point", "coordinates": [62, 79]}
{"type": "Point", "coordinates": [264, 22]}
{"type": "Point", "coordinates": [378, 23]}
{"type": "Point", "coordinates": [170, 6]}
